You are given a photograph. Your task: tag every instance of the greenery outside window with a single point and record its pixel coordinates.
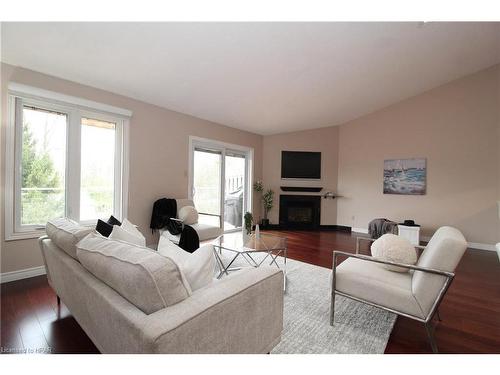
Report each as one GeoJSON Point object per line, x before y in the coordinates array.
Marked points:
{"type": "Point", "coordinates": [65, 161]}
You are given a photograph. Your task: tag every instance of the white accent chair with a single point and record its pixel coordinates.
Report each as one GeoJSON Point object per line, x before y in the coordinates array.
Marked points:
{"type": "Point", "coordinates": [415, 294]}
{"type": "Point", "coordinates": [205, 231]}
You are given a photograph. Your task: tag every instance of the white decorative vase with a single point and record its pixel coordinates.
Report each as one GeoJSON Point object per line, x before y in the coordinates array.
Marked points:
{"type": "Point", "coordinates": [245, 236]}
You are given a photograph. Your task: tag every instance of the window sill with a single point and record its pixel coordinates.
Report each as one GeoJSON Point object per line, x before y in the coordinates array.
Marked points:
{"type": "Point", "coordinates": [26, 235]}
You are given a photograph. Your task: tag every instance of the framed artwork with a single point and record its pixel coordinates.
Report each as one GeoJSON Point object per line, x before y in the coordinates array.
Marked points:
{"type": "Point", "coordinates": [405, 176]}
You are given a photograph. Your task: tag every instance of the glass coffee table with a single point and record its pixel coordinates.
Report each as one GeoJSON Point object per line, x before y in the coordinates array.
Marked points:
{"type": "Point", "coordinates": [270, 246]}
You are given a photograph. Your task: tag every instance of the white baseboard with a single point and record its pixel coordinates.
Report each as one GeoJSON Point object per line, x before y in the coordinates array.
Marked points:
{"type": "Point", "coordinates": [360, 230]}
{"type": "Point", "coordinates": [470, 245]}
{"type": "Point", "coordinates": [22, 274]}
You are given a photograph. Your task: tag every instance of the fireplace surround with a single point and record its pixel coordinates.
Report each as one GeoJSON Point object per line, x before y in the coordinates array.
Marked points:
{"type": "Point", "coordinates": [300, 211]}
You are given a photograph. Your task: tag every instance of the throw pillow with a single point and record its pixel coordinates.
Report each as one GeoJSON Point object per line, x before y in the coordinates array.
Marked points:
{"type": "Point", "coordinates": [188, 215]}
{"type": "Point", "coordinates": [65, 233]}
{"type": "Point", "coordinates": [106, 227]}
{"type": "Point", "coordinates": [394, 249]}
{"type": "Point", "coordinates": [197, 267]}
{"type": "Point", "coordinates": [119, 233]}
{"type": "Point", "coordinates": [113, 221]}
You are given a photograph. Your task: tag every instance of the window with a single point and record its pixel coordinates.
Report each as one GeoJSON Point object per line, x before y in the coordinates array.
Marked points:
{"type": "Point", "coordinates": [220, 182]}
{"type": "Point", "coordinates": [65, 157]}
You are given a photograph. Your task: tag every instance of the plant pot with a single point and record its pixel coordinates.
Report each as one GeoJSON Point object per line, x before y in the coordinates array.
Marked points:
{"type": "Point", "coordinates": [264, 223]}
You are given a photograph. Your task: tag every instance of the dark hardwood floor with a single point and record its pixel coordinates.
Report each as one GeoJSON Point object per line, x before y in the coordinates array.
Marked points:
{"type": "Point", "coordinates": [31, 320]}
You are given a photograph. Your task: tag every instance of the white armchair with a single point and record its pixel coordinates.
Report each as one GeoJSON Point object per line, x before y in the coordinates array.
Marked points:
{"type": "Point", "coordinates": [205, 231]}
{"type": "Point", "coordinates": [415, 294]}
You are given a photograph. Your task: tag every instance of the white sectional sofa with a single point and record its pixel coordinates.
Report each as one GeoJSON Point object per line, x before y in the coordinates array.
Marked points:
{"type": "Point", "coordinates": [131, 299]}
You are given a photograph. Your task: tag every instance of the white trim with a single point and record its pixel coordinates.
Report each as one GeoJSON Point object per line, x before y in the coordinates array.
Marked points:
{"type": "Point", "coordinates": [470, 245]}
{"type": "Point", "coordinates": [359, 230]}
{"type": "Point", "coordinates": [125, 168]}
{"type": "Point", "coordinates": [10, 136]}
{"type": "Point", "coordinates": [7, 277]}
{"type": "Point", "coordinates": [35, 92]}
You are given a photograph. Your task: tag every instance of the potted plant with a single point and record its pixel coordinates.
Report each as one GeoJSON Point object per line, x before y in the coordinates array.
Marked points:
{"type": "Point", "coordinates": [267, 202]}
{"type": "Point", "coordinates": [248, 222]}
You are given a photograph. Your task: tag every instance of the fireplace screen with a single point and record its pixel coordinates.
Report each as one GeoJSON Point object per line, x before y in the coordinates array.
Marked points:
{"type": "Point", "coordinates": [300, 214]}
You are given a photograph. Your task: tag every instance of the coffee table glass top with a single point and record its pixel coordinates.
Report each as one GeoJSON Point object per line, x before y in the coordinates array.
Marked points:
{"type": "Point", "coordinates": [235, 242]}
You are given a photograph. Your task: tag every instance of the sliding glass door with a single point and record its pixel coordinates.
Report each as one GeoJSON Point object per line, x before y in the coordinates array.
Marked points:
{"type": "Point", "coordinates": [235, 189]}
{"type": "Point", "coordinates": [219, 182]}
{"type": "Point", "coordinates": [206, 192]}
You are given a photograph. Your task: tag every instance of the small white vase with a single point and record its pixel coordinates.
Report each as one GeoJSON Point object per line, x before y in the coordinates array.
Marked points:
{"type": "Point", "coordinates": [257, 231]}
{"type": "Point", "coordinates": [245, 236]}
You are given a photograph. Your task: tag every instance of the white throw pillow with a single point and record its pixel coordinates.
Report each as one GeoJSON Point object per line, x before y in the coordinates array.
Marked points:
{"type": "Point", "coordinates": [128, 232]}
{"type": "Point", "coordinates": [188, 215]}
{"type": "Point", "coordinates": [395, 249]}
{"type": "Point", "coordinates": [131, 228]}
{"type": "Point", "coordinates": [197, 267]}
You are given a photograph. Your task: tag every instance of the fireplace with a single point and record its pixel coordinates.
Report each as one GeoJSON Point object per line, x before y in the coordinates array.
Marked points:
{"type": "Point", "coordinates": [300, 211]}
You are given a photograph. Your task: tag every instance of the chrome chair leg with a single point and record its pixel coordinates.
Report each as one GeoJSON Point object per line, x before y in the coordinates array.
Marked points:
{"type": "Point", "coordinates": [332, 308]}
{"type": "Point", "coordinates": [430, 334]}
{"type": "Point", "coordinates": [438, 316]}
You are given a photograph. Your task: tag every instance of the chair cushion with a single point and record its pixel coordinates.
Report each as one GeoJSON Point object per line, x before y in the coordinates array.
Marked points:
{"type": "Point", "coordinates": [188, 215]}
{"type": "Point", "coordinates": [205, 232]}
{"type": "Point", "coordinates": [198, 267]}
{"type": "Point", "coordinates": [374, 283]}
{"type": "Point", "coordinates": [145, 278]}
{"type": "Point", "coordinates": [443, 252]}
{"type": "Point", "coordinates": [66, 233]}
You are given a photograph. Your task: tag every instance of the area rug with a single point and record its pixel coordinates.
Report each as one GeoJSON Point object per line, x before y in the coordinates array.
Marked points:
{"type": "Point", "coordinates": [358, 328]}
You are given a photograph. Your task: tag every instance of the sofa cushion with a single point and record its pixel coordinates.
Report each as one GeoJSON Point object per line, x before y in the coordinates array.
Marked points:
{"type": "Point", "coordinates": [374, 283]}
{"type": "Point", "coordinates": [66, 233]}
{"type": "Point", "coordinates": [198, 267]}
{"type": "Point", "coordinates": [147, 279]}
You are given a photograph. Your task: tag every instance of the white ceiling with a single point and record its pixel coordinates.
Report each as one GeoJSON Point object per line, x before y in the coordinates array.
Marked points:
{"type": "Point", "coordinates": [262, 77]}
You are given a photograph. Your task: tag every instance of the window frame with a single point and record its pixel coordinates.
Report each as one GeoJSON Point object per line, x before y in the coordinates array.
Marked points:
{"type": "Point", "coordinates": [75, 108]}
{"type": "Point", "coordinates": [223, 148]}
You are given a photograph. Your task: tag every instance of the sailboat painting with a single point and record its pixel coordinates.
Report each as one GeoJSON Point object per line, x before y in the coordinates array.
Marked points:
{"type": "Point", "coordinates": [405, 176]}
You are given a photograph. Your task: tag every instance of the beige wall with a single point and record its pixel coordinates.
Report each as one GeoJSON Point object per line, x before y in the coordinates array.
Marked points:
{"type": "Point", "coordinates": [455, 127]}
{"type": "Point", "coordinates": [324, 140]}
{"type": "Point", "coordinates": [158, 154]}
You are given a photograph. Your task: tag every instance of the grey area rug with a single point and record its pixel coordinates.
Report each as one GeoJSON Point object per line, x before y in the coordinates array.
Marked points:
{"type": "Point", "coordinates": [358, 328]}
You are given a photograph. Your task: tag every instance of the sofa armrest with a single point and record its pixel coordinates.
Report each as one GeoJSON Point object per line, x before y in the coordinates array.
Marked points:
{"type": "Point", "coordinates": [242, 313]}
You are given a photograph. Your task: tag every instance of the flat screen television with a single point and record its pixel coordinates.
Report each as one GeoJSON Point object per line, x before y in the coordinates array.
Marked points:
{"type": "Point", "coordinates": [301, 165]}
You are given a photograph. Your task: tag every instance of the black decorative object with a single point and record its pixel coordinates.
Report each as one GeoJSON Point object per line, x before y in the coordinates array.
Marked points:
{"type": "Point", "coordinates": [305, 189]}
